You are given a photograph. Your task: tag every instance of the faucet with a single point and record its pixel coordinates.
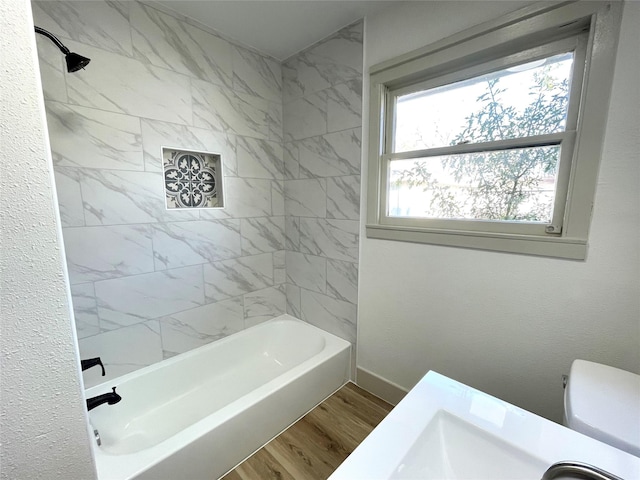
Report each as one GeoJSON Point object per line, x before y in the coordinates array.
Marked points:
{"type": "Point", "coordinates": [577, 470]}
{"type": "Point", "coordinates": [111, 398]}
{"type": "Point", "coordinates": [92, 362]}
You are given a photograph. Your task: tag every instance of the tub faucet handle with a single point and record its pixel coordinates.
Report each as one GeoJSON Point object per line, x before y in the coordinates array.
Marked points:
{"type": "Point", "coordinates": [92, 362]}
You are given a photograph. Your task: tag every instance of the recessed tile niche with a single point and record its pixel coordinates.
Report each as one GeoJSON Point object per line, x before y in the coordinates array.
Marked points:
{"type": "Point", "coordinates": [192, 179]}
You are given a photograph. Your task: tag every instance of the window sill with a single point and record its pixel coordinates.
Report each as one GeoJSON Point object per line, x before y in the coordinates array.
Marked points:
{"type": "Point", "coordinates": [548, 246]}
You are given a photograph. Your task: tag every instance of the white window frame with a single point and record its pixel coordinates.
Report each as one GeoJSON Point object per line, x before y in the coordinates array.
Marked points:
{"type": "Point", "coordinates": [541, 30]}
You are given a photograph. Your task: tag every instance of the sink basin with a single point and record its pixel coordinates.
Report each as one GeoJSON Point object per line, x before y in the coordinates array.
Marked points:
{"type": "Point", "coordinates": [449, 447]}
{"type": "Point", "coordinates": [444, 429]}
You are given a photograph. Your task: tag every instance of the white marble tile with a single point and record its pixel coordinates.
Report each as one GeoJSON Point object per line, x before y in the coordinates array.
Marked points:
{"type": "Point", "coordinates": [344, 106]}
{"type": "Point", "coordinates": [332, 315]}
{"type": "Point", "coordinates": [330, 62]}
{"type": "Point", "coordinates": [225, 110]}
{"type": "Point", "coordinates": [343, 197]}
{"type": "Point", "coordinates": [180, 244]}
{"type": "Point", "coordinates": [307, 271]}
{"type": "Point", "coordinates": [113, 197]}
{"type": "Point", "coordinates": [117, 197]}
{"type": "Point", "coordinates": [277, 197]}
{"type": "Point", "coordinates": [259, 158]}
{"type": "Point", "coordinates": [306, 198]}
{"type": "Point", "coordinates": [156, 135]}
{"type": "Point", "coordinates": [292, 233]}
{"type": "Point", "coordinates": [69, 198]}
{"type": "Point", "coordinates": [122, 351]}
{"type": "Point", "coordinates": [231, 278]}
{"type": "Point", "coordinates": [342, 280]}
{"type": "Point", "coordinates": [123, 85]}
{"type": "Point", "coordinates": [103, 24]}
{"type": "Point", "coordinates": [184, 331]}
{"type": "Point", "coordinates": [305, 117]}
{"type": "Point", "coordinates": [128, 300]}
{"type": "Point", "coordinates": [293, 300]}
{"type": "Point", "coordinates": [244, 197]}
{"type": "Point", "coordinates": [101, 253]}
{"type": "Point", "coordinates": [330, 155]}
{"type": "Point", "coordinates": [91, 138]}
{"type": "Point", "coordinates": [262, 234]}
{"type": "Point", "coordinates": [85, 310]}
{"type": "Point", "coordinates": [291, 161]}
{"type": "Point", "coordinates": [255, 111]}
{"type": "Point", "coordinates": [337, 239]}
{"type": "Point", "coordinates": [292, 84]}
{"type": "Point", "coordinates": [256, 75]}
{"type": "Point", "coordinates": [52, 70]}
{"type": "Point", "coordinates": [263, 305]}
{"type": "Point", "coordinates": [167, 42]}
{"type": "Point", "coordinates": [274, 121]}
{"type": "Point", "coordinates": [279, 267]}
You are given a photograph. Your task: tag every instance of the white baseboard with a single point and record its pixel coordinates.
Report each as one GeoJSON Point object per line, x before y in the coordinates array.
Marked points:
{"type": "Point", "coordinates": [380, 387]}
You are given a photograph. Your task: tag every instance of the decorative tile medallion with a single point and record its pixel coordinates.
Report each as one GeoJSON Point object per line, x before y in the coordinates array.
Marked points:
{"type": "Point", "coordinates": [192, 179]}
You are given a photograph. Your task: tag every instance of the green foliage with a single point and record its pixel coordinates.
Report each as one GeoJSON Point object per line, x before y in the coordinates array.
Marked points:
{"type": "Point", "coordinates": [499, 185]}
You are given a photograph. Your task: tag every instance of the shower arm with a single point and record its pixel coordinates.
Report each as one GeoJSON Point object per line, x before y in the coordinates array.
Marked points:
{"type": "Point", "coordinates": [54, 39]}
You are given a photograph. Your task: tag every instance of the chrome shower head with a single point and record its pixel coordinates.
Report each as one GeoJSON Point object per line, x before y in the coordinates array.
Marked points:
{"type": "Point", "coordinates": [75, 62]}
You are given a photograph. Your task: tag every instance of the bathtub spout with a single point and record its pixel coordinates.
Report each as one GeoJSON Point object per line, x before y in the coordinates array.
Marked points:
{"type": "Point", "coordinates": [111, 398]}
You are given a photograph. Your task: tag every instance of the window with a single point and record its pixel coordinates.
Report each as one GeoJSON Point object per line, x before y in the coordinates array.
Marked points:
{"type": "Point", "coordinates": [491, 139]}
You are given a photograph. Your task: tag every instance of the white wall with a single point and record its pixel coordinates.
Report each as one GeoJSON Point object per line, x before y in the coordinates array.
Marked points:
{"type": "Point", "coordinates": [507, 324]}
{"type": "Point", "coordinates": [43, 433]}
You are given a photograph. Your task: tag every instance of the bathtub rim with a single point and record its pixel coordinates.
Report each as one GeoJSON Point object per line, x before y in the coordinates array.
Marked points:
{"type": "Point", "coordinates": [106, 386]}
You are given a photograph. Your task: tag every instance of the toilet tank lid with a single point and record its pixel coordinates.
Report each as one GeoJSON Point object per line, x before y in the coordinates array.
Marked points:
{"type": "Point", "coordinates": [604, 403]}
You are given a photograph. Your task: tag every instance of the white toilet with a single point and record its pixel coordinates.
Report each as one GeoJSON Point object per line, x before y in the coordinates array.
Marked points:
{"type": "Point", "coordinates": [604, 403]}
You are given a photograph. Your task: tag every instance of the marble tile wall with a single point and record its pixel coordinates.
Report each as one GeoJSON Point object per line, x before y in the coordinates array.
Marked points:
{"type": "Point", "coordinates": [322, 103]}
{"type": "Point", "coordinates": [148, 283]}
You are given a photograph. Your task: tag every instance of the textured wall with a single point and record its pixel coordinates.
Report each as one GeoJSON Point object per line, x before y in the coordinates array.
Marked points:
{"type": "Point", "coordinates": [148, 283]}
{"type": "Point", "coordinates": [43, 433]}
{"type": "Point", "coordinates": [508, 324]}
{"type": "Point", "coordinates": [322, 103]}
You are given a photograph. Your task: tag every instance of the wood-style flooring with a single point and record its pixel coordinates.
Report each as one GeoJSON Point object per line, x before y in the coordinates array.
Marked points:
{"type": "Point", "coordinates": [314, 446]}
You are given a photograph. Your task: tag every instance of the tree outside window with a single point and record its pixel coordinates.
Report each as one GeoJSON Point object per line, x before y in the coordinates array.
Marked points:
{"type": "Point", "coordinates": [515, 184]}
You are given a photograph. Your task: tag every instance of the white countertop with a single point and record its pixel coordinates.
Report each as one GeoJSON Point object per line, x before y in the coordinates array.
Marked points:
{"type": "Point", "coordinates": [445, 429]}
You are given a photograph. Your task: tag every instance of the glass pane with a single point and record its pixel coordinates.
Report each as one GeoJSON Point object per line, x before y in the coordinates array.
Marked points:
{"type": "Point", "coordinates": [520, 101]}
{"type": "Point", "coordinates": [512, 185]}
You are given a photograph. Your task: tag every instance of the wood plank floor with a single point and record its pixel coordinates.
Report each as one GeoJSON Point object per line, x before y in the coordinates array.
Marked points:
{"type": "Point", "coordinates": [315, 445]}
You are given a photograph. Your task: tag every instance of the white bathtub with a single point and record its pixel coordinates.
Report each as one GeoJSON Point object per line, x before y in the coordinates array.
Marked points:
{"type": "Point", "coordinates": [197, 415]}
